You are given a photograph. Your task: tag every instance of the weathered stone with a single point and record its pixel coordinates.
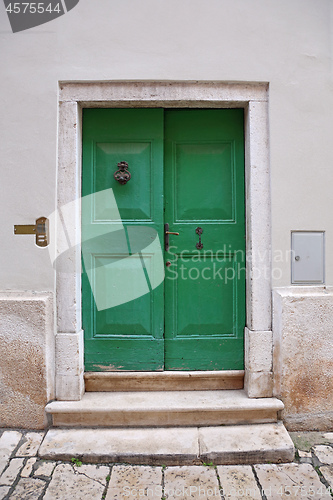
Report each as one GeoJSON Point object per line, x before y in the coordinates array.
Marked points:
{"type": "Point", "coordinates": [44, 469]}
{"type": "Point", "coordinates": [306, 440]}
{"type": "Point", "coordinates": [8, 442]}
{"type": "Point", "coordinates": [327, 472]}
{"type": "Point", "coordinates": [328, 436]}
{"type": "Point", "coordinates": [304, 454]}
{"type": "Point", "coordinates": [12, 471]}
{"type": "Point", "coordinates": [69, 483]}
{"type": "Point", "coordinates": [95, 472]}
{"type": "Point", "coordinates": [258, 350]}
{"type": "Point", "coordinates": [238, 481]}
{"type": "Point", "coordinates": [27, 358]}
{"type": "Point", "coordinates": [246, 444]}
{"type": "Point", "coordinates": [151, 445]}
{"type": "Point", "coordinates": [28, 489]}
{"type": "Point", "coordinates": [27, 469]}
{"type": "Point", "coordinates": [289, 481]}
{"type": "Point", "coordinates": [258, 384]}
{"type": "Point", "coordinates": [324, 454]}
{"type": "Point", "coordinates": [303, 356]}
{"type": "Point", "coordinates": [190, 482]}
{"type": "Point", "coordinates": [3, 491]}
{"type": "Point", "coordinates": [135, 482]}
{"type": "Point", "coordinates": [31, 444]}
{"type": "Point", "coordinates": [69, 366]}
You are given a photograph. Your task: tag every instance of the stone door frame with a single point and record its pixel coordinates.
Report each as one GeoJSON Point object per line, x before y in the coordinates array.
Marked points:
{"type": "Point", "coordinates": [253, 97]}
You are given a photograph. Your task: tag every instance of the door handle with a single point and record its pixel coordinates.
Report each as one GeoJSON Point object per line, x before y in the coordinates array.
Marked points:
{"type": "Point", "coordinates": [166, 236]}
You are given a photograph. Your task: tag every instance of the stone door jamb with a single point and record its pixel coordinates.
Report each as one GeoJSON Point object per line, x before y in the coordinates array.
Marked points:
{"type": "Point", "coordinates": [253, 97]}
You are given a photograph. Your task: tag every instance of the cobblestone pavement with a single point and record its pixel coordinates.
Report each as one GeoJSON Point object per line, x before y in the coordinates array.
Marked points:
{"type": "Point", "coordinates": [24, 476]}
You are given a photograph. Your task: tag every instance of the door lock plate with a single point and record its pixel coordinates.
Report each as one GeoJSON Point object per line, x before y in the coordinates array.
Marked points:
{"type": "Point", "coordinates": [40, 229]}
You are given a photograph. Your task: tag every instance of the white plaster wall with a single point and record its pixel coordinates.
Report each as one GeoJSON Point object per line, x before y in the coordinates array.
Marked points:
{"type": "Point", "coordinates": [287, 43]}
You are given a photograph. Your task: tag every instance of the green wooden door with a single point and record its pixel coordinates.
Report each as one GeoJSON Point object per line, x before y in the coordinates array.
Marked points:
{"type": "Point", "coordinates": [194, 319]}
{"type": "Point", "coordinates": [204, 188]}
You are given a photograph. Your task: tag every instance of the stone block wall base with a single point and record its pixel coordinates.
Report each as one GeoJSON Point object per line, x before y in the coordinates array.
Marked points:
{"type": "Point", "coordinates": [27, 358]}
{"type": "Point", "coordinates": [303, 356]}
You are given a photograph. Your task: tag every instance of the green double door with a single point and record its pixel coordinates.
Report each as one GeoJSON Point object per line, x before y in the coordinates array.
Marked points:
{"type": "Point", "coordinates": [145, 307]}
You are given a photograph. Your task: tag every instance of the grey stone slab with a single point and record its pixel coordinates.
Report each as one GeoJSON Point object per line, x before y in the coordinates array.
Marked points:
{"type": "Point", "coordinates": [30, 445]}
{"type": "Point", "coordinates": [28, 489]}
{"type": "Point", "coordinates": [196, 482]}
{"type": "Point", "coordinates": [306, 440]}
{"type": "Point", "coordinates": [69, 483]}
{"type": "Point", "coordinates": [328, 436]}
{"type": "Point", "coordinates": [282, 482]}
{"type": "Point", "coordinates": [327, 472]}
{"type": "Point", "coordinates": [135, 482]}
{"type": "Point", "coordinates": [245, 444]}
{"type": "Point", "coordinates": [8, 442]}
{"type": "Point", "coordinates": [141, 446]}
{"type": "Point", "coordinates": [324, 454]}
{"type": "Point", "coordinates": [3, 491]}
{"type": "Point", "coordinates": [44, 469]}
{"type": "Point", "coordinates": [304, 454]}
{"type": "Point", "coordinates": [27, 469]}
{"type": "Point", "coordinates": [12, 471]}
{"type": "Point", "coordinates": [238, 481]}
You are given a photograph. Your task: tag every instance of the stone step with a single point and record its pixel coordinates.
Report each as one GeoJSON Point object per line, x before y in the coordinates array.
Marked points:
{"type": "Point", "coordinates": [164, 381]}
{"type": "Point", "coordinates": [228, 445]}
{"type": "Point", "coordinates": [164, 408]}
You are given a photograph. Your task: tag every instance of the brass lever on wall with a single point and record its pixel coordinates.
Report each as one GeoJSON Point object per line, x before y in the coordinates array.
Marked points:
{"type": "Point", "coordinates": [166, 236]}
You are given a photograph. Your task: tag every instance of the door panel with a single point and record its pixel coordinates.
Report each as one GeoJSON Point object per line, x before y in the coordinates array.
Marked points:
{"type": "Point", "coordinates": [205, 289]}
{"type": "Point", "coordinates": [117, 255]}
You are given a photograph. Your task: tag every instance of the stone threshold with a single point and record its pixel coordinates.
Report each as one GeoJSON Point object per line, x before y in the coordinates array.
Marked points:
{"type": "Point", "coordinates": [164, 408]}
{"type": "Point", "coordinates": [164, 381]}
{"type": "Point", "coordinates": [224, 445]}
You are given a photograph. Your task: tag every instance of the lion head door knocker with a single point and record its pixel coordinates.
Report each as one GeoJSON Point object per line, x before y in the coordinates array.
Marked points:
{"type": "Point", "coordinates": [122, 175]}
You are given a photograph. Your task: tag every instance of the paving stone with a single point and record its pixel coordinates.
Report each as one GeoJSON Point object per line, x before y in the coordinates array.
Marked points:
{"type": "Point", "coordinates": [3, 491]}
{"type": "Point", "coordinates": [328, 436]}
{"type": "Point", "coordinates": [8, 442]}
{"type": "Point", "coordinates": [238, 481]}
{"type": "Point", "coordinates": [12, 471]}
{"type": "Point", "coordinates": [285, 481]}
{"type": "Point", "coordinates": [31, 444]}
{"type": "Point", "coordinates": [324, 454]}
{"type": "Point", "coordinates": [304, 454]}
{"type": "Point", "coordinates": [135, 482]}
{"type": "Point", "coordinates": [44, 468]}
{"type": "Point", "coordinates": [327, 472]}
{"type": "Point", "coordinates": [191, 482]}
{"type": "Point", "coordinates": [94, 472]}
{"type": "Point", "coordinates": [69, 483]}
{"type": "Point", "coordinates": [28, 489]}
{"type": "Point", "coordinates": [27, 469]}
{"type": "Point", "coordinates": [307, 439]}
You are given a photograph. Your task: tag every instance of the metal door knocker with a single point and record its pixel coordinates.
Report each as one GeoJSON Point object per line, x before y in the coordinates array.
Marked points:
{"type": "Point", "coordinates": [199, 231]}
{"type": "Point", "coordinates": [122, 175]}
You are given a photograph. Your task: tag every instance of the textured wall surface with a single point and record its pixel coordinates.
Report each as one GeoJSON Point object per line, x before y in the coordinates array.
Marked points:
{"type": "Point", "coordinates": [27, 358]}
{"type": "Point", "coordinates": [303, 356]}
